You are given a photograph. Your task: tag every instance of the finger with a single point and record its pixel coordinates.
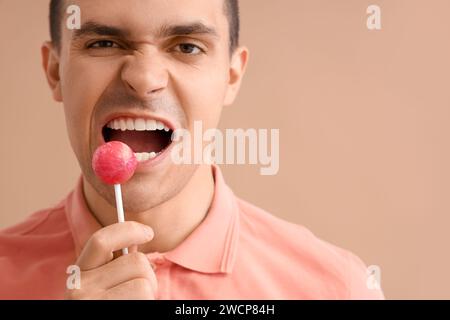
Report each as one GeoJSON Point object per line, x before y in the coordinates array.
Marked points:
{"type": "Point", "coordinates": [125, 268]}
{"type": "Point", "coordinates": [119, 253]}
{"type": "Point", "coordinates": [133, 248]}
{"type": "Point", "coordinates": [136, 289]}
{"type": "Point", "coordinates": [100, 247]}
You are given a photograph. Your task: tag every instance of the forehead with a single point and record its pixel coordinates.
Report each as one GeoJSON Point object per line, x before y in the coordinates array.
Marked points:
{"type": "Point", "coordinates": [146, 17]}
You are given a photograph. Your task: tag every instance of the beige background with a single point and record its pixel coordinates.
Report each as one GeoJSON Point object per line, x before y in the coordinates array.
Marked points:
{"type": "Point", "coordinates": [363, 117]}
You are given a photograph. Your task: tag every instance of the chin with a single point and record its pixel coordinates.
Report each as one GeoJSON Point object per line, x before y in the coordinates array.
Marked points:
{"type": "Point", "coordinates": [135, 202]}
{"type": "Point", "coordinates": [140, 195]}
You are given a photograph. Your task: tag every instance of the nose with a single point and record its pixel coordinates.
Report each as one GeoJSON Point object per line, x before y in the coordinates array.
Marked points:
{"type": "Point", "coordinates": [144, 75]}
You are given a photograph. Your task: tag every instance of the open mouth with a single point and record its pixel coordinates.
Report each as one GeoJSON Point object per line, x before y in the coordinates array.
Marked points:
{"type": "Point", "coordinates": [147, 138]}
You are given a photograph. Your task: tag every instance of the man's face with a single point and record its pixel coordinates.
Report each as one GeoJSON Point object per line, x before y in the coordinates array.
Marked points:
{"type": "Point", "coordinates": [136, 59]}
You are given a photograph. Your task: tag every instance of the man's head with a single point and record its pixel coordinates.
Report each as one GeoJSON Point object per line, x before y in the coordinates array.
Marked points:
{"type": "Point", "coordinates": [139, 60]}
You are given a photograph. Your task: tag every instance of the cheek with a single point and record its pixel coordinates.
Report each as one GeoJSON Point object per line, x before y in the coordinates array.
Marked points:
{"type": "Point", "coordinates": [82, 85]}
{"type": "Point", "coordinates": [202, 95]}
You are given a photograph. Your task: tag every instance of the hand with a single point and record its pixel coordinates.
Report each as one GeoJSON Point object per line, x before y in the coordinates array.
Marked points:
{"type": "Point", "coordinates": [127, 277]}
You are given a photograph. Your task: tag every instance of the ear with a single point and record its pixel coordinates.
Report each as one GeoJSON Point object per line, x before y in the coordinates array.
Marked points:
{"type": "Point", "coordinates": [50, 63]}
{"type": "Point", "coordinates": [238, 66]}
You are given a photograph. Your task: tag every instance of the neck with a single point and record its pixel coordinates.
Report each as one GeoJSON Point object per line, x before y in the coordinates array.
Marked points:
{"type": "Point", "coordinates": [172, 221]}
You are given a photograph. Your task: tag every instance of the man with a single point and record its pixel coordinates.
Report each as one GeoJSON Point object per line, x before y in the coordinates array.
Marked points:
{"type": "Point", "coordinates": [135, 71]}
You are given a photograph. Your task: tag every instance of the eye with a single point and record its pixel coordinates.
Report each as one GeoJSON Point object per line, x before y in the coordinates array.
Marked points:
{"type": "Point", "coordinates": [103, 44]}
{"type": "Point", "coordinates": [189, 48]}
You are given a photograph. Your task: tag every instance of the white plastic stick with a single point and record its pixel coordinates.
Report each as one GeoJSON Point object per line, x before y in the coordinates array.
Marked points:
{"type": "Point", "coordinates": [119, 205]}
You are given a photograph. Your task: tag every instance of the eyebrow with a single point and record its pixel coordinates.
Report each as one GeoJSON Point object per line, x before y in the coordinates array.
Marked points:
{"type": "Point", "coordinates": [187, 29]}
{"type": "Point", "coordinates": [166, 31]}
{"type": "Point", "coordinates": [93, 28]}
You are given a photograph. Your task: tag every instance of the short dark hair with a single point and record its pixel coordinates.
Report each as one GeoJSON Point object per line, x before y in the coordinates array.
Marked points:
{"type": "Point", "coordinates": [231, 8]}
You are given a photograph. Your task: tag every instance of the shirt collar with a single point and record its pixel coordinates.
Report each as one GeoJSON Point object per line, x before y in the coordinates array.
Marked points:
{"type": "Point", "coordinates": [210, 248]}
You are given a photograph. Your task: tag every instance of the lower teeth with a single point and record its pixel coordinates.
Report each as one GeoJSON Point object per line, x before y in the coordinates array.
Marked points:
{"type": "Point", "coordinates": [144, 156]}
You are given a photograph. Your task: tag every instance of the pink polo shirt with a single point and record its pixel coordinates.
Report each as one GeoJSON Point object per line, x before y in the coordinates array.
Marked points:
{"type": "Point", "coordinates": [239, 251]}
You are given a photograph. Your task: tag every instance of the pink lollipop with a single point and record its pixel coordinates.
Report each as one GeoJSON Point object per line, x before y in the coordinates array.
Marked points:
{"type": "Point", "coordinates": [114, 163]}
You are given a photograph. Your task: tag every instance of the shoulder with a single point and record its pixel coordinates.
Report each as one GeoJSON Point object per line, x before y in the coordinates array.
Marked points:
{"type": "Point", "coordinates": [259, 225]}
{"type": "Point", "coordinates": [327, 267]}
{"type": "Point", "coordinates": [35, 221]}
{"type": "Point", "coordinates": [35, 253]}
{"type": "Point", "coordinates": [39, 229]}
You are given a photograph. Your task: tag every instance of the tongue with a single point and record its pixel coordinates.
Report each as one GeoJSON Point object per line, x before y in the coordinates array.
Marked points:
{"type": "Point", "coordinates": [140, 141]}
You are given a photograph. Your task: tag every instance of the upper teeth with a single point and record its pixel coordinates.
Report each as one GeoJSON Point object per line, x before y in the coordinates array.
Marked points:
{"type": "Point", "coordinates": [137, 124]}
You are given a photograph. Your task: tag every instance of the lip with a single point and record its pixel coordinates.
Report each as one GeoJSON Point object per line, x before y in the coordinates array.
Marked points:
{"type": "Point", "coordinates": [151, 163]}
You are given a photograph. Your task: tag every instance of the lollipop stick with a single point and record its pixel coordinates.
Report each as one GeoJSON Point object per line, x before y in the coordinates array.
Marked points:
{"type": "Point", "coordinates": [119, 205]}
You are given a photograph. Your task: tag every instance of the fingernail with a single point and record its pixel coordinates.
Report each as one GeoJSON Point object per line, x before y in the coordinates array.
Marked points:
{"type": "Point", "coordinates": [148, 232]}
